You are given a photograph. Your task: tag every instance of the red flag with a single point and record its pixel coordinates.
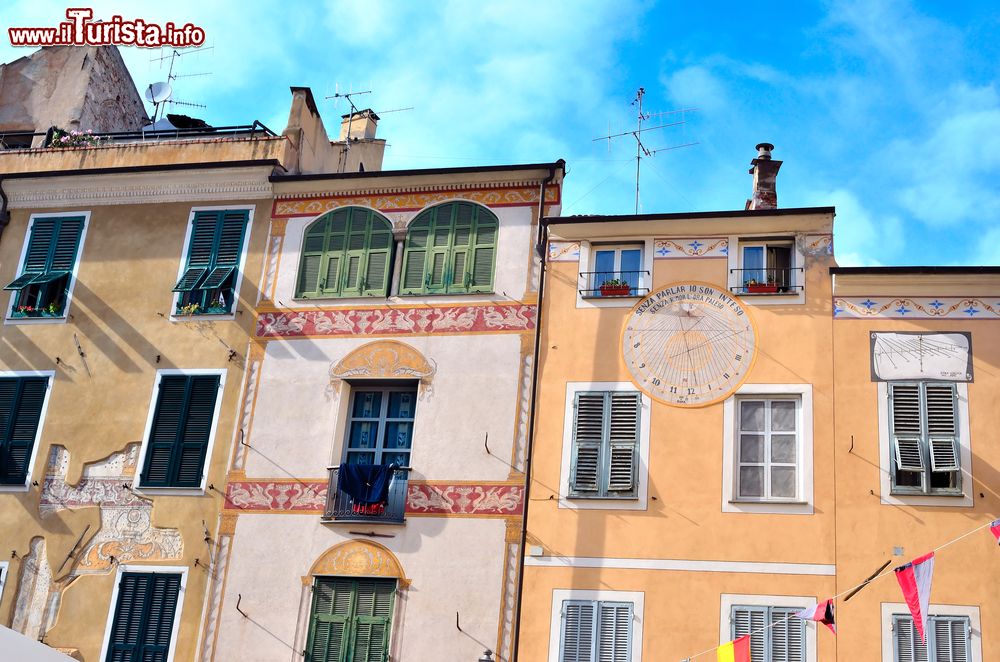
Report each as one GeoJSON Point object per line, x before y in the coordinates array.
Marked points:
{"type": "Point", "coordinates": [821, 613]}
{"type": "Point", "coordinates": [995, 529]}
{"type": "Point", "coordinates": [915, 580]}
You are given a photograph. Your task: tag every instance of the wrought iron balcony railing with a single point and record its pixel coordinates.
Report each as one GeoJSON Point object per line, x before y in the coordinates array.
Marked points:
{"type": "Point", "coordinates": [26, 139]}
{"type": "Point", "coordinates": [598, 284]}
{"type": "Point", "coordinates": [340, 507]}
{"type": "Point", "coordinates": [766, 281]}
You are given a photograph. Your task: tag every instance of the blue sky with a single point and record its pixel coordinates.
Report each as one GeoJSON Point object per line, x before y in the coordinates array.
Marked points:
{"type": "Point", "coordinates": [888, 110]}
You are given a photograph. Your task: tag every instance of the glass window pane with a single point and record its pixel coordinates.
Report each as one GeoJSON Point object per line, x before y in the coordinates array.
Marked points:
{"type": "Point", "coordinates": [360, 458]}
{"type": "Point", "coordinates": [367, 404]}
{"type": "Point", "coordinates": [631, 264]}
{"type": "Point", "coordinates": [399, 459]}
{"type": "Point", "coordinates": [402, 404]}
{"type": "Point", "coordinates": [783, 448]}
{"type": "Point", "coordinates": [751, 481]}
{"type": "Point", "coordinates": [753, 264]}
{"type": "Point", "coordinates": [364, 434]}
{"type": "Point", "coordinates": [751, 448]}
{"type": "Point", "coordinates": [783, 416]}
{"type": "Point", "coordinates": [604, 261]}
{"type": "Point", "coordinates": [752, 416]}
{"type": "Point", "coordinates": [398, 435]}
{"type": "Point", "coordinates": [783, 482]}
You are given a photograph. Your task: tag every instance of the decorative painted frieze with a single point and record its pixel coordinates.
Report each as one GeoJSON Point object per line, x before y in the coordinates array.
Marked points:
{"type": "Point", "coordinates": [817, 244]}
{"type": "Point", "coordinates": [564, 251]}
{"type": "Point", "coordinates": [309, 496]}
{"type": "Point", "coordinates": [882, 307]}
{"type": "Point", "coordinates": [414, 200]}
{"type": "Point", "coordinates": [667, 249]}
{"type": "Point", "coordinates": [494, 318]}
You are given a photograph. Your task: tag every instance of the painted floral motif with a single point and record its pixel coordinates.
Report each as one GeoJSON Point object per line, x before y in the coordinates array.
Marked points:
{"type": "Point", "coordinates": [564, 251]}
{"type": "Point", "coordinates": [691, 247]}
{"type": "Point", "coordinates": [397, 321]}
{"type": "Point", "coordinates": [916, 308]}
{"type": "Point", "coordinates": [817, 244]}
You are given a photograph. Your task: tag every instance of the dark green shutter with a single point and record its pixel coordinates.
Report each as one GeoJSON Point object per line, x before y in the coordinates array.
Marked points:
{"type": "Point", "coordinates": [182, 425]}
{"type": "Point", "coordinates": [21, 400]}
{"type": "Point", "coordinates": [43, 231]}
{"type": "Point", "coordinates": [144, 617]}
{"type": "Point", "coordinates": [450, 249]}
{"type": "Point", "coordinates": [351, 620]}
{"type": "Point", "coordinates": [214, 249]}
{"type": "Point", "coordinates": [200, 249]}
{"type": "Point", "coordinates": [346, 253]}
{"type": "Point", "coordinates": [53, 244]}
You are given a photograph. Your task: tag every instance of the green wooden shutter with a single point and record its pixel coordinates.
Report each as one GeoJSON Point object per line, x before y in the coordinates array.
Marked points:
{"type": "Point", "coordinates": [751, 620]}
{"type": "Point", "coordinates": [372, 620]}
{"type": "Point", "coordinates": [578, 639]}
{"type": "Point", "coordinates": [67, 244]}
{"type": "Point", "coordinates": [201, 247]}
{"type": "Point", "coordinates": [144, 617]}
{"type": "Point", "coordinates": [21, 400]}
{"type": "Point", "coordinates": [346, 253]}
{"type": "Point", "coordinates": [614, 632]}
{"type": "Point", "coordinates": [623, 441]}
{"type": "Point", "coordinates": [53, 244]}
{"type": "Point", "coordinates": [438, 272]}
{"type": "Point", "coordinates": [227, 247]}
{"type": "Point", "coordinates": [415, 255]}
{"type": "Point", "coordinates": [182, 425]}
{"type": "Point", "coordinates": [43, 234]}
{"type": "Point", "coordinates": [329, 622]}
{"type": "Point", "coordinates": [311, 259]}
{"type": "Point", "coordinates": [588, 440]}
{"type": "Point", "coordinates": [483, 251]}
{"type": "Point", "coordinates": [462, 231]}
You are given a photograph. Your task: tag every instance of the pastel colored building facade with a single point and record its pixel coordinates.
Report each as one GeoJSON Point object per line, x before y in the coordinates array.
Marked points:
{"type": "Point", "coordinates": [730, 428]}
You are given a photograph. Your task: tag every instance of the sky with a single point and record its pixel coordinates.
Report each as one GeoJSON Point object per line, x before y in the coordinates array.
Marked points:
{"type": "Point", "coordinates": [886, 109]}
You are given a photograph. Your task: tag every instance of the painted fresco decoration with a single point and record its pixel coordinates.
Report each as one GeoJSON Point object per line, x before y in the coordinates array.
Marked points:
{"type": "Point", "coordinates": [668, 249]}
{"type": "Point", "coordinates": [688, 344]}
{"type": "Point", "coordinates": [814, 245]}
{"type": "Point", "coordinates": [497, 317]}
{"type": "Point", "coordinates": [916, 307]}
{"type": "Point", "coordinates": [564, 251]}
{"type": "Point", "coordinates": [902, 355]}
{"type": "Point", "coordinates": [358, 558]}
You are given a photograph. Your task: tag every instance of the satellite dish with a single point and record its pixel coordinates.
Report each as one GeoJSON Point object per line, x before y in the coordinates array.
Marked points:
{"type": "Point", "coordinates": [158, 92]}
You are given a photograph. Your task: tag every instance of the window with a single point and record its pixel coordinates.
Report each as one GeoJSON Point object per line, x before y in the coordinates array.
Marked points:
{"type": "Point", "coordinates": [42, 288]}
{"type": "Point", "coordinates": [21, 401]}
{"type": "Point", "coordinates": [208, 284]}
{"type": "Point", "coordinates": [767, 449]}
{"type": "Point", "coordinates": [617, 271]}
{"type": "Point", "coordinates": [346, 253]}
{"type": "Point", "coordinates": [143, 624]}
{"type": "Point", "coordinates": [924, 451]}
{"type": "Point", "coordinates": [181, 429]}
{"type": "Point", "coordinates": [351, 619]}
{"type": "Point", "coordinates": [3, 576]}
{"type": "Point", "coordinates": [595, 631]}
{"type": "Point", "coordinates": [605, 444]}
{"type": "Point", "coordinates": [450, 249]}
{"type": "Point", "coordinates": [948, 640]}
{"type": "Point", "coordinates": [766, 267]}
{"type": "Point", "coordinates": [783, 641]}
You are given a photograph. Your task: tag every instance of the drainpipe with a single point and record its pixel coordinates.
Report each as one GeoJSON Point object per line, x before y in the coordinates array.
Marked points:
{"type": "Point", "coordinates": [4, 212]}
{"type": "Point", "coordinates": [540, 249]}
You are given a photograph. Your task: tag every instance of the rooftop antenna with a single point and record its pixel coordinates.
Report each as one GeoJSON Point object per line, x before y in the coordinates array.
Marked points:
{"type": "Point", "coordinates": [350, 121]}
{"type": "Point", "coordinates": [171, 76]}
{"type": "Point", "coordinates": [641, 150]}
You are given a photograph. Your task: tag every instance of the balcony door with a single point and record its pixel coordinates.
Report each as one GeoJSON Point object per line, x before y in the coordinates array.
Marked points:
{"type": "Point", "coordinates": [380, 430]}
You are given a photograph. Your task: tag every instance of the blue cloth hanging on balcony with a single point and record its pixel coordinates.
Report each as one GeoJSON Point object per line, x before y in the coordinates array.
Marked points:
{"type": "Point", "coordinates": [366, 484]}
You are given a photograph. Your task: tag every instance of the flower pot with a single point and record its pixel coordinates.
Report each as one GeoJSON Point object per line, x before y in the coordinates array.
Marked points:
{"type": "Point", "coordinates": [762, 289]}
{"type": "Point", "coordinates": [615, 290]}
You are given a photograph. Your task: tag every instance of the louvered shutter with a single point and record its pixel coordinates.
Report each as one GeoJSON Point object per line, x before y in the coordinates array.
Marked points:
{"type": "Point", "coordinates": [951, 638]}
{"type": "Point", "coordinates": [159, 621]}
{"type": "Point", "coordinates": [378, 257]}
{"type": "Point", "coordinates": [588, 442]}
{"type": "Point", "coordinates": [373, 619]}
{"type": "Point", "coordinates": [942, 437]}
{"type": "Point", "coordinates": [415, 255]}
{"type": "Point", "coordinates": [127, 627]}
{"type": "Point", "coordinates": [53, 244]}
{"type": "Point", "coordinates": [230, 227]}
{"type": "Point", "coordinates": [165, 431]}
{"type": "Point", "coordinates": [43, 233]}
{"type": "Point", "coordinates": [907, 643]}
{"type": "Point", "coordinates": [579, 629]}
{"type": "Point", "coordinates": [439, 247]}
{"type": "Point", "coordinates": [197, 429]}
{"type": "Point", "coordinates": [623, 439]}
{"type": "Point", "coordinates": [614, 632]}
{"type": "Point", "coordinates": [751, 620]}
{"type": "Point", "coordinates": [201, 247]}
{"type": "Point", "coordinates": [144, 617]}
{"type": "Point", "coordinates": [182, 425]}
{"type": "Point", "coordinates": [460, 257]}
{"type": "Point", "coordinates": [906, 426]}
{"type": "Point", "coordinates": [21, 402]}
{"type": "Point", "coordinates": [311, 259]}
{"type": "Point", "coordinates": [483, 251]}
{"type": "Point", "coordinates": [67, 244]}
{"type": "Point", "coordinates": [788, 636]}
{"type": "Point", "coordinates": [329, 636]}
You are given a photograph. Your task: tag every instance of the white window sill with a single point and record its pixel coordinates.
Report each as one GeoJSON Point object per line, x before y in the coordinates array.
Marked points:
{"type": "Point", "coordinates": [169, 491]}
{"type": "Point", "coordinates": [14, 489]}
{"type": "Point", "coordinates": [769, 502]}
{"type": "Point", "coordinates": [203, 318]}
{"type": "Point", "coordinates": [15, 321]}
{"type": "Point", "coordinates": [586, 497]}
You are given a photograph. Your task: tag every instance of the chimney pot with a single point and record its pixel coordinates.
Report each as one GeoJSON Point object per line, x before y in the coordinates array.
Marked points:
{"type": "Point", "coordinates": [764, 170]}
{"type": "Point", "coordinates": [764, 150]}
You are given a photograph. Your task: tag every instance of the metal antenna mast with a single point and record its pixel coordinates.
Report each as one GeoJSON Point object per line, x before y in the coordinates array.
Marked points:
{"type": "Point", "coordinates": [350, 120]}
{"type": "Point", "coordinates": [641, 150]}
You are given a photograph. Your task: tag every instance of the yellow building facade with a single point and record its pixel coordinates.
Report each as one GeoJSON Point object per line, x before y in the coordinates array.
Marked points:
{"type": "Point", "coordinates": [730, 429]}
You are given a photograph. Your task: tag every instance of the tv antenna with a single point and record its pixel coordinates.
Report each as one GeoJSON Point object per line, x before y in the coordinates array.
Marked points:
{"type": "Point", "coordinates": [641, 151]}
{"type": "Point", "coordinates": [350, 121]}
{"type": "Point", "coordinates": [171, 76]}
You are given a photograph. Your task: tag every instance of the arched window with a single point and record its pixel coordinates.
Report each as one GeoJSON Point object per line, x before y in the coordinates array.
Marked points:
{"type": "Point", "coordinates": [450, 248]}
{"type": "Point", "coordinates": [346, 253]}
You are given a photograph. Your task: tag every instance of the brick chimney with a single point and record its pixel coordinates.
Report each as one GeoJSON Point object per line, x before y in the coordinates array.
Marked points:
{"type": "Point", "coordinates": [764, 170]}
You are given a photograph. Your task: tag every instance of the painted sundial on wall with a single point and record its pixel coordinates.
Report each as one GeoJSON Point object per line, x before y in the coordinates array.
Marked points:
{"type": "Point", "coordinates": [921, 355]}
{"type": "Point", "coordinates": [689, 344]}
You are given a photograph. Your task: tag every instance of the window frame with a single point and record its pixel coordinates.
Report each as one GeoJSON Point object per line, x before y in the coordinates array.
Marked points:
{"type": "Point", "coordinates": [888, 496]}
{"type": "Point", "coordinates": [766, 464]}
{"type": "Point", "coordinates": [178, 608]}
{"type": "Point", "coordinates": [353, 619]}
{"type": "Point", "coordinates": [892, 609]}
{"type": "Point", "coordinates": [559, 596]}
{"type": "Point", "coordinates": [925, 489]}
{"type": "Point", "coordinates": [643, 278]}
{"type": "Point", "coordinates": [803, 503]}
{"type": "Point", "coordinates": [50, 375]}
{"type": "Point", "coordinates": [728, 601]}
{"type": "Point", "coordinates": [71, 283]}
{"type": "Point", "coordinates": [383, 419]}
{"type": "Point", "coordinates": [585, 264]}
{"type": "Point", "coordinates": [797, 266]}
{"type": "Point", "coordinates": [151, 413]}
{"type": "Point", "coordinates": [239, 270]}
{"type": "Point", "coordinates": [637, 502]}
{"type": "Point", "coordinates": [605, 452]}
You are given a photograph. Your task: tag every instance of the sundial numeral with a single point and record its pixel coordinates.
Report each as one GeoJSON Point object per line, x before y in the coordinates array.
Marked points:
{"type": "Point", "coordinates": [656, 382]}
{"type": "Point", "coordinates": [739, 357]}
{"type": "Point", "coordinates": [725, 375]}
{"type": "Point", "coordinates": [690, 391]}
{"type": "Point", "coordinates": [673, 389]}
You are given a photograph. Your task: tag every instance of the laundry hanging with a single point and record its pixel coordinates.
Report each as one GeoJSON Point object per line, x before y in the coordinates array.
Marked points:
{"type": "Point", "coordinates": [367, 485]}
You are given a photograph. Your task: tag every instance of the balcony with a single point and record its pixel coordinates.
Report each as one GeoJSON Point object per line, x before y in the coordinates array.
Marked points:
{"type": "Point", "coordinates": [613, 284]}
{"type": "Point", "coordinates": [765, 281]}
{"type": "Point", "coordinates": [340, 507]}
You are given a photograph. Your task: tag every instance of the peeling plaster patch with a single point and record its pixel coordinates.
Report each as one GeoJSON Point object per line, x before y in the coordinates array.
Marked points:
{"type": "Point", "coordinates": [33, 592]}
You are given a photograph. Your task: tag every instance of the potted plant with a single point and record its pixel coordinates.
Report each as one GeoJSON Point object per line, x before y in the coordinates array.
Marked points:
{"type": "Point", "coordinates": [189, 309]}
{"type": "Point", "coordinates": [216, 307]}
{"type": "Point", "coordinates": [615, 287]}
{"type": "Point", "coordinates": [755, 287]}
{"type": "Point", "coordinates": [51, 310]}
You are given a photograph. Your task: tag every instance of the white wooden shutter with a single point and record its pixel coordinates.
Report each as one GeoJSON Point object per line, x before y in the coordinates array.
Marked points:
{"type": "Point", "coordinates": [941, 427]}
{"type": "Point", "coordinates": [579, 630]}
{"type": "Point", "coordinates": [588, 436]}
{"type": "Point", "coordinates": [623, 438]}
{"type": "Point", "coordinates": [614, 632]}
{"type": "Point", "coordinates": [904, 402]}
{"type": "Point", "coordinates": [788, 636]}
{"type": "Point", "coordinates": [951, 638]}
{"type": "Point", "coordinates": [751, 620]}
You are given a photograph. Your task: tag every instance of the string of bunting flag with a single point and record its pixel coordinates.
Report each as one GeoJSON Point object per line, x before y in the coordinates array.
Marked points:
{"type": "Point", "coordinates": [914, 580]}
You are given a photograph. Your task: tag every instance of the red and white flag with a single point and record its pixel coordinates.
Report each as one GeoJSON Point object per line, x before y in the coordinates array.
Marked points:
{"type": "Point", "coordinates": [915, 580]}
{"type": "Point", "coordinates": [995, 529]}
{"type": "Point", "coordinates": [821, 613]}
